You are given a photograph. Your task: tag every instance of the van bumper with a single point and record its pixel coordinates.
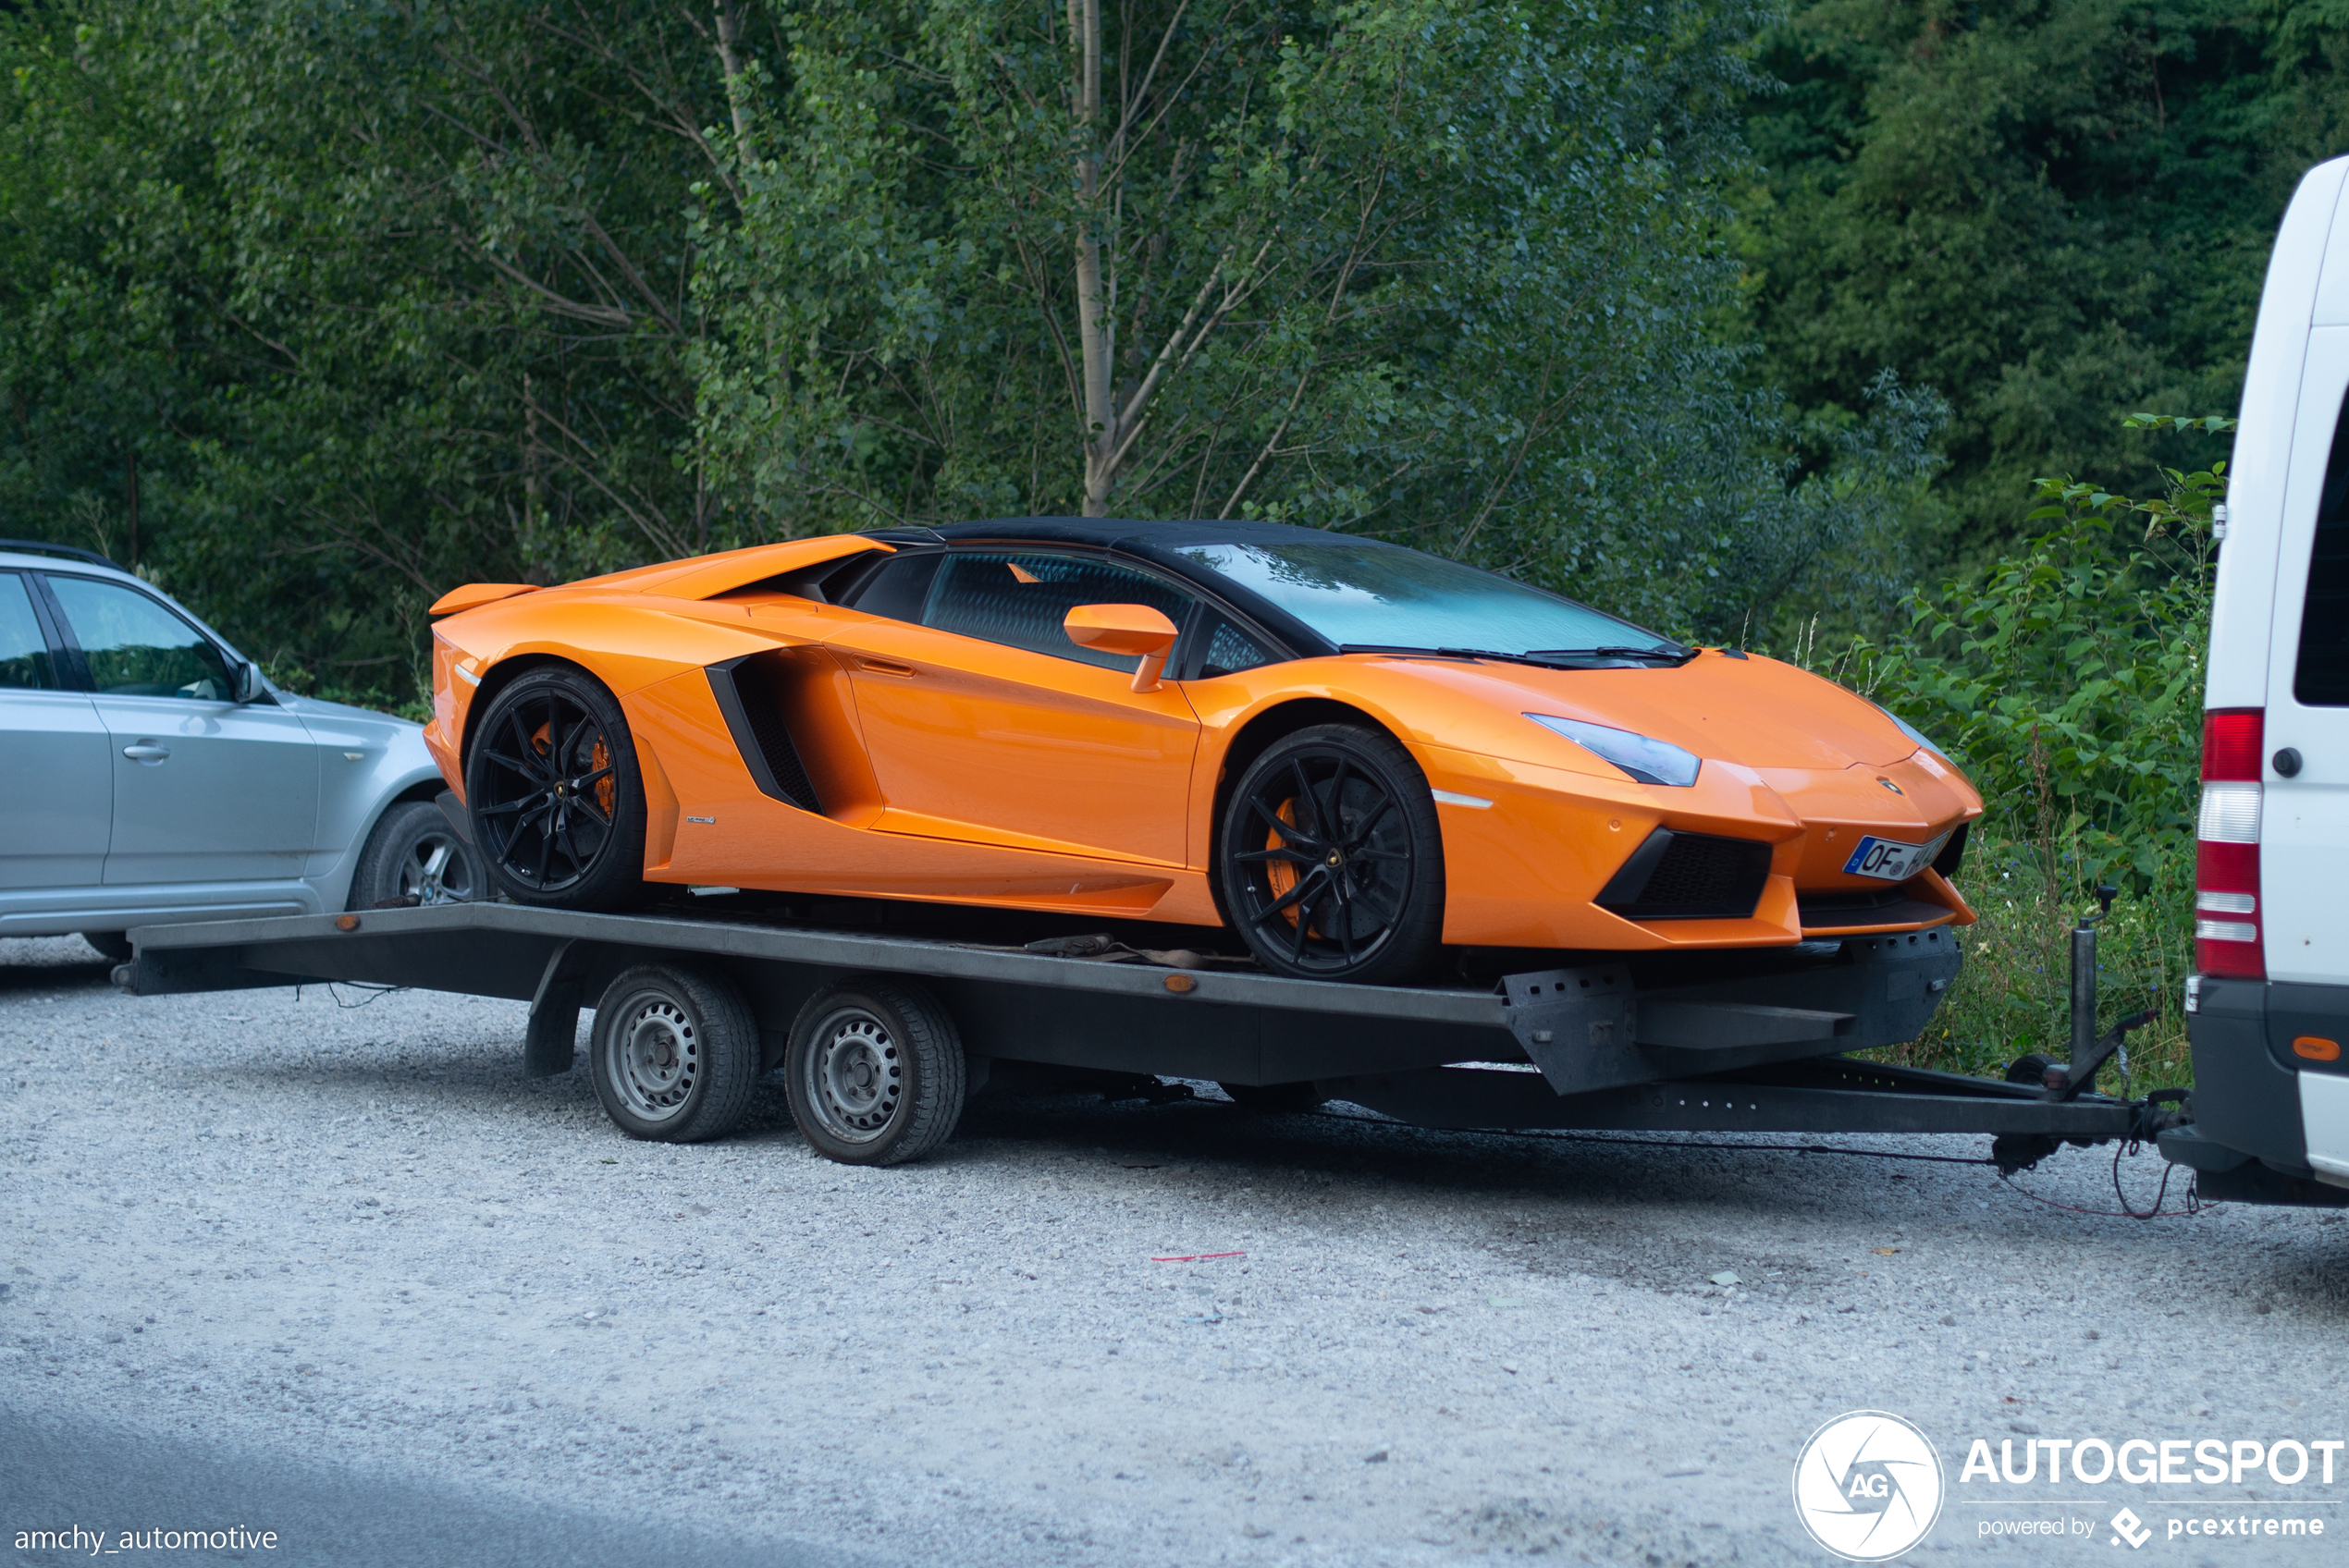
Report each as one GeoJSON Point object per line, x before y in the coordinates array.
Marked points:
{"type": "Point", "coordinates": [2267, 1127]}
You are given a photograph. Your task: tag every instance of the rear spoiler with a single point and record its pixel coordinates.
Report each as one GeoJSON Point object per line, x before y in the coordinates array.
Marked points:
{"type": "Point", "coordinates": [704, 577]}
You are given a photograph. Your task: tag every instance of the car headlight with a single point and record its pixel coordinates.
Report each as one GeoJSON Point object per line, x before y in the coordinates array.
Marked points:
{"type": "Point", "coordinates": [1643, 757]}
{"type": "Point", "coordinates": [1910, 731]}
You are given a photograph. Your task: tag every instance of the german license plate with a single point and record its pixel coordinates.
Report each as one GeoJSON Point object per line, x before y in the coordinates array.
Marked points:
{"type": "Point", "coordinates": [1890, 861]}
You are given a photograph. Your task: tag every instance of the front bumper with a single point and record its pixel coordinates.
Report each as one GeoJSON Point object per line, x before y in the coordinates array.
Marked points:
{"type": "Point", "coordinates": [2268, 1125]}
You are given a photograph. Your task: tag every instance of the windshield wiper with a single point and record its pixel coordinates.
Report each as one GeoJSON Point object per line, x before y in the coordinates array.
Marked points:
{"type": "Point", "coordinates": [1446, 653]}
{"type": "Point", "coordinates": [1540, 658]}
{"type": "Point", "coordinates": [1668, 655]}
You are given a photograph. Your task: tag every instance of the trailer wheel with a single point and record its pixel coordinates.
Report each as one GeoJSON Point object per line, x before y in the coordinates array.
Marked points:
{"type": "Point", "coordinates": [875, 1072]}
{"type": "Point", "coordinates": [1272, 1098]}
{"type": "Point", "coordinates": [675, 1053]}
{"type": "Point", "coordinates": [2031, 1069]}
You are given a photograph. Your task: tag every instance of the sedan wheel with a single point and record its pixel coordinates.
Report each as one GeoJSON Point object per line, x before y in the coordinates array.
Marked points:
{"type": "Point", "coordinates": [416, 857]}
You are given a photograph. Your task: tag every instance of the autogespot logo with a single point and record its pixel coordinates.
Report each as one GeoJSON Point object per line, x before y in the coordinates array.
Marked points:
{"type": "Point", "coordinates": [1868, 1486]}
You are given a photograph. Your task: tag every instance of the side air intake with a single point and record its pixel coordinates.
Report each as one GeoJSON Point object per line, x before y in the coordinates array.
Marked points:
{"type": "Point", "coordinates": [1688, 876]}
{"type": "Point", "coordinates": [746, 696]}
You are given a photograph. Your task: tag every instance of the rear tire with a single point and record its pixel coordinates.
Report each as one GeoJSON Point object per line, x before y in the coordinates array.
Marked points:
{"type": "Point", "coordinates": [115, 945]}
{"type": "Point", "coordinates": [554, 793]}
{"type": "Point", "coordinates": [674, 1054]}
{"type": "Point", "coordinates": [416, 857]}
{"type": "Point", "coordinates": [875, 1072]}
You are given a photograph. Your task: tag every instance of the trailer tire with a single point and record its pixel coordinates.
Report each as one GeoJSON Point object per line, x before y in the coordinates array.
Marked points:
{"type": "Point", "coordinates": [875, 1072]}
{"type": "Point", "coordinates": [1270, 1099]}
{"type": "Point", "coordinates": [674, 1054]}
{"type": "Point", "coordinates": [2031, 1069]}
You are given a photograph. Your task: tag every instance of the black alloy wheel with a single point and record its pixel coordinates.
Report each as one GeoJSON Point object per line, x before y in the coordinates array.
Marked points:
{"type": "Point", "coordinates": [556, 805]}
{"type": "Point", "coordinates": [1330, 858]}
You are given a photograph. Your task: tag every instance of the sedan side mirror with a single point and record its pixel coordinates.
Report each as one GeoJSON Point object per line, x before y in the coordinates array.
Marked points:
{"type": "Point", "coordinates": [248, 683]}
{"type": "Point", "coordinates": [1124, 629]}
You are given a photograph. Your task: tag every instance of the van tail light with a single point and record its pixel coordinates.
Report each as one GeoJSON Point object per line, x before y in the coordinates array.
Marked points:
{"type": "Point", "coordinates": [2226, 872]}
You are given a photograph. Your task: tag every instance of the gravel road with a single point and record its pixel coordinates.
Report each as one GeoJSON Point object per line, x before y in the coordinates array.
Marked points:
{"type": "Point", "coordinates": [354, 1238]}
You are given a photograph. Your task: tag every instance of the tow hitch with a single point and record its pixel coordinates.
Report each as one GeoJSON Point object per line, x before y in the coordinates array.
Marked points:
{"type": "Point", "coordinates": [2065, 1080]}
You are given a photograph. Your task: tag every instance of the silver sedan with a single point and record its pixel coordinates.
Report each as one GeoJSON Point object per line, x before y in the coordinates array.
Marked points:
{"type": "Point", "coordinates": [149, 772]}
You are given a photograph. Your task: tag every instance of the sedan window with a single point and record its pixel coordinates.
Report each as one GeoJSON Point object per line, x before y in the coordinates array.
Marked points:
{"type": "Point", "coordinates": [1022, 600]}
{"type": "Point", "coordinates": [24, 653]}
{"type": "Point", "coordinates": [136, 648]}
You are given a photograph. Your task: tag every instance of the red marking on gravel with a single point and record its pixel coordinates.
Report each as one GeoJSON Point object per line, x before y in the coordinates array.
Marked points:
{"type": "Point", "coordinates": [1198, 1257]}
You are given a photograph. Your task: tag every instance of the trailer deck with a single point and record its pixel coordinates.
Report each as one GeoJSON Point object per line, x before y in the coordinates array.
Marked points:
{"type": "Point", "coordinates": [1754, 1043]}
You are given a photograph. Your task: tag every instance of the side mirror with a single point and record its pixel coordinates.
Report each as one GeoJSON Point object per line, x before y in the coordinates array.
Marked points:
{"type": "Point", "coordinates": [247, 688]}
{"type": "Point", "coordinates": [1124, 629]}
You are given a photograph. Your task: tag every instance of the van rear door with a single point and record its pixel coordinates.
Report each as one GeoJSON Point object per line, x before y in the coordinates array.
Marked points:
{"type": "Point", "coordinates": [2303, 860]}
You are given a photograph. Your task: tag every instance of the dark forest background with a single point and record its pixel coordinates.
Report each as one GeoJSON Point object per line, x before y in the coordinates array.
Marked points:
{"type": "Point", "coordinates": [1744, 323]}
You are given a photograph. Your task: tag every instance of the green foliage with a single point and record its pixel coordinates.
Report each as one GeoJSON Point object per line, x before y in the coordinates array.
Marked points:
{"type": "Point", "coordinates": [2013, 995]}
{"type": "Point", "coordinates": [1433, 269]}
{"type": "Point", "coordinates": [315, 309]}
{"type": "Point", "coordinates": [2050, 211]}
{"type": "Point", "coordinates": [2067, 681]}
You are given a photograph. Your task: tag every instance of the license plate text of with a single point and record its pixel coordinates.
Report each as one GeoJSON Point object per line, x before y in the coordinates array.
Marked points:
{"type": "Point", "coordinates": [1891, 861]}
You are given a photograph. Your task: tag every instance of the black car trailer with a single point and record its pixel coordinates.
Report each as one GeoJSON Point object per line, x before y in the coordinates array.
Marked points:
{"type": "Point", "coordinates": [882, 1035]}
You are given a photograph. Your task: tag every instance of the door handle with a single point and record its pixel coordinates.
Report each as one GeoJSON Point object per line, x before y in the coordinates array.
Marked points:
{"type": "Point", "coordinates": [884, 666]}
{"type": "Point", "coordinates": [146, 751]}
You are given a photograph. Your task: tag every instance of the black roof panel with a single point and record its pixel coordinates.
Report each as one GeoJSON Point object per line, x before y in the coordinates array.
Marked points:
{"type": "Point", "coordinates": [1132, 532]}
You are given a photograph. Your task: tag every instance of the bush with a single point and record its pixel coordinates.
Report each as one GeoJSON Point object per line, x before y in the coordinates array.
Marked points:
{"type": "Point", "coordinates": [2068, 683]}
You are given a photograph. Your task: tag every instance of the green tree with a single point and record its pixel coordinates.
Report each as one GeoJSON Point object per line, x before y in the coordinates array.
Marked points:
{"type": "Point", "coordinates": [374, 300]}
{"type": "Point", "coordinates": [1437, 269]}
{"type": "Point", "coordinates": [2050, 211]}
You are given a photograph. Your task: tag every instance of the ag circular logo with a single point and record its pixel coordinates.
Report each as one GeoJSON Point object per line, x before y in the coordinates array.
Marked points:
{"type": "Point", "coordinates": [1868, 1486]}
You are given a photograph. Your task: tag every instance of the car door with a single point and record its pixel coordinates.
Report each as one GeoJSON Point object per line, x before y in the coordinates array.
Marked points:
{"type": "Point", "coordinates": [984, 722]}
{"type": "Point", "coordinates": [205, 788]}
{"type": "Point", "coordinates": [55, 774]}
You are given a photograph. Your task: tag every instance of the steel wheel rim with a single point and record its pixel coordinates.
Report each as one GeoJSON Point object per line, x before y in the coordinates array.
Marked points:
{"type": "Point", "coordinates": [653, 1059]}
{"type": "Point", "coordinates": [437, 870]}
{"type": "Point", "coordinates": [1328, 870]}
{"type": "Point", "coordinates": [548, 789]}
{"type": "Point", "coordinates": [853, 1078]}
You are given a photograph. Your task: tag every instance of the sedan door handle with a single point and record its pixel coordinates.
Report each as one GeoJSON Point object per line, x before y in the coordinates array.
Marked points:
{"type": "Point", "coordinates": [146, 751]}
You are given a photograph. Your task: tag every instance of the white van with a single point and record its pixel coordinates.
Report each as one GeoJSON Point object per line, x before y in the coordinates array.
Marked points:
{"type": "Point", "coordinates": [2271, 1003]}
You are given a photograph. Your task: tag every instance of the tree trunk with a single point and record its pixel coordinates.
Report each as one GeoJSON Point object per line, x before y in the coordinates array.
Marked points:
{"type": "Point", "coordinates": [1092, 315]}
{"type": "Point", "coordinates": [729, 30]}
{"type": "Point", "coordinates": [131, 477]}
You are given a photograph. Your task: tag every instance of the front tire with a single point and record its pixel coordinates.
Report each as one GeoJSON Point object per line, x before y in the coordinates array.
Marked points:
{"type": "Point", "coordinates": [414, 857]}
{"type": "Point", "coordinates": [555, 799]}
{"type": "Point", "coordinates": [1330, 861]}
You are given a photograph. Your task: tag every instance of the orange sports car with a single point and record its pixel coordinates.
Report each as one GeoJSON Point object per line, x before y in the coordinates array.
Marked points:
{"type": "Point", "coordinates": [1353, 754]}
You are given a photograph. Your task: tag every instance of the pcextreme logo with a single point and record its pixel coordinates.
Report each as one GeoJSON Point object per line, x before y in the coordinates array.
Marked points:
{"type": "Point", "coordinates": [1868, 1486]}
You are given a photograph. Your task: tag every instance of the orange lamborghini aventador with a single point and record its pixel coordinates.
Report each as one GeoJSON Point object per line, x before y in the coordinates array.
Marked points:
{"type": "Point", "coordinates": [1352, 754]}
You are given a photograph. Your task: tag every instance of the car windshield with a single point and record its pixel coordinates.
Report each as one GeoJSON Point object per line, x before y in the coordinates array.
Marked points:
{"type": "Point", "coordinates": [1354, 591]}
